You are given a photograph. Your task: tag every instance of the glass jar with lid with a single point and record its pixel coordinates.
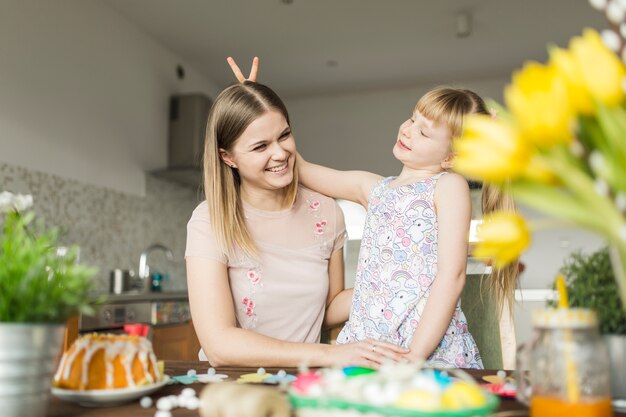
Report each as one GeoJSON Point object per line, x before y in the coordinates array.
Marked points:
{"type": "Point", "coordinates": [564, 368]}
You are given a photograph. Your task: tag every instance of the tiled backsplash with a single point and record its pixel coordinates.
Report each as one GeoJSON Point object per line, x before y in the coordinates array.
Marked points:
{"type": "Point", "coordinates": [111, 227]}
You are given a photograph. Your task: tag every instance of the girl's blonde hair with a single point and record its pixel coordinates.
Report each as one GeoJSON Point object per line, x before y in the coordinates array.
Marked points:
{"type": "Point", "coordinates": [450, 106]}
{"type": "Point", "coordinates": [232, 112]}
{"type": "Point", "coordinates": [502, 281]}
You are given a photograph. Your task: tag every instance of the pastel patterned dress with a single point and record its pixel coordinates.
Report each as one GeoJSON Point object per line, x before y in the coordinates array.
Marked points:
{"type": "Point", "coordinates": [396, 268]}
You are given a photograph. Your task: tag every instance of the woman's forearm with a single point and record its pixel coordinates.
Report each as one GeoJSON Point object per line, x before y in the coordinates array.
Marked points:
{"type": "Point", "coordinates": [240, 347]}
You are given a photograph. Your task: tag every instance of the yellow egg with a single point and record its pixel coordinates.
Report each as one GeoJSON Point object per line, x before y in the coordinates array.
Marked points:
{"type": "Point", "coordinates": [461, 395]}
{"type": "Point", "coordinates": [418, 400]}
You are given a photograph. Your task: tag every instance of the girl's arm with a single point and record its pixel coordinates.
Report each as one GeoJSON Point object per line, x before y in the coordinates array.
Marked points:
{"type": "Point", "coordinates": [225, 344]}
{"type": "Point", "coordinates": [339, 299]}
{"type": "Point", "coordinates": [348, 185]}
{"type": "Point", "coordinates": [453, 207]}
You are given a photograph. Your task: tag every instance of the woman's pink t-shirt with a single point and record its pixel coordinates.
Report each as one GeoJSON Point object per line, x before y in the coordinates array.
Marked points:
{"type": "Point", "coordinates": [283, 294]}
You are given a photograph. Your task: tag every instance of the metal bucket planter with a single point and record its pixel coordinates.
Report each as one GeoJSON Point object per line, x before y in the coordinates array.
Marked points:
{"type": "Point", "coordinates": [28, 357]}
{"type": "Point", "coordinates": [617, 361]}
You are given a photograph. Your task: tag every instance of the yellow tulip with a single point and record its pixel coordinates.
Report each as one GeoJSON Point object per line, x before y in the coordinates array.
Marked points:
{"type": "Point", "coordinates": [539, 170]}
{"type": "Point", "coordinates": [601, 70]}
{"type": "Point", "coordinates": [567, 67]}
{"type": "Point", "coordinates": [538, 99]}
{"type": "Point", "coordinates": [490, 150]}
{"type": "Point", "coordinates": [502, 236]}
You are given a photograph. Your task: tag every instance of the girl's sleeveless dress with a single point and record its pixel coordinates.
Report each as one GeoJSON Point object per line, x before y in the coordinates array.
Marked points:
{"type": "Point", "coordinates": [397, 265]}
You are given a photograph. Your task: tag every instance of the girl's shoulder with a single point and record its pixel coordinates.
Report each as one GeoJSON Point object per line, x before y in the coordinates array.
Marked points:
{"type": "Point", "coordinates": [383, 182]}
{"type": "Point", "coordinates": [448, 177]}
{"type": "Point", "coordinates": [451, 182]}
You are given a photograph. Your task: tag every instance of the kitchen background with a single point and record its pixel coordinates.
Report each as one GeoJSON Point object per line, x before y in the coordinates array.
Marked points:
{"type": "Point", "coordinates": [85, 88]}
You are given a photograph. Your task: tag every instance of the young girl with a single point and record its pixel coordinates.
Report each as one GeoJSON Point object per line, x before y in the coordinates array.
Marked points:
{"type": "Point", "coordinates": [411, 267]}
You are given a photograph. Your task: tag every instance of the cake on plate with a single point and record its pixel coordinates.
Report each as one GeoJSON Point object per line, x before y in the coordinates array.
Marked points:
{"type": "Point", "coordinates": [106, 361]}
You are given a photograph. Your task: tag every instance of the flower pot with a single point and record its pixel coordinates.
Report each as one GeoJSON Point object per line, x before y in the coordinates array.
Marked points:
{"type": "Point", "coordinates": [28, 358]}
{"type": "Point", "coordinates": [617, 361]}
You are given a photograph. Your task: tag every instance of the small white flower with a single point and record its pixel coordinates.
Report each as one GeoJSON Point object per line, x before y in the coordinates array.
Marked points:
{"type": "Point", "coordinates": [611, 40]}
{"type": "Point", "coordinates": [6, 202]}
{"type": "Point", "coordinates": [23, 202]}
{"type": "Point", "coordinates": [18, 202]}
{"type": "Point", "coordinates": [601, 187]}
{"type": "Point", "coordinates": [615, 12]}
{"type": "Point", "coordinates": [576, 148]}
{"type": "Point", "coordinates": [598, 4]}
{"type": "Point", "coordinates": [620, 202]}
{"type": "Point", "coordinates": [622, 233]}
{"type": "Point", "coordinates": [596, 161]}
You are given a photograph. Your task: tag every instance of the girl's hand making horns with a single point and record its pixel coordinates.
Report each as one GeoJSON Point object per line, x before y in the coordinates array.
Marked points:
{"type": "Point", "coordinates": [253, 71]}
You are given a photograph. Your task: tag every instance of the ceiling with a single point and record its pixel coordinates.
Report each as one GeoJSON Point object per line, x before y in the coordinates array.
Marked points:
{"type": "Point", "coordinates": [311, 47]}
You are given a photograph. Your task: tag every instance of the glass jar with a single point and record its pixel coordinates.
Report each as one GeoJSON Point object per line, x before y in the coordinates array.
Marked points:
{"type": "Point", "coordinates": [564, 368]}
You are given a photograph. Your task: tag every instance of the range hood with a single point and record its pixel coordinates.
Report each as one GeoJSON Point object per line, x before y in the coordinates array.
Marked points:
{"type": "Point", "coordinates": [187, 125]}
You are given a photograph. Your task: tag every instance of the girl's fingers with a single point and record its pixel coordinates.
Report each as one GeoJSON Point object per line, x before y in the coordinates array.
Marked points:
{"type": "Point", "coordinates": [235, 68]}
{"type": "Point", "coordinates": [254, 70]}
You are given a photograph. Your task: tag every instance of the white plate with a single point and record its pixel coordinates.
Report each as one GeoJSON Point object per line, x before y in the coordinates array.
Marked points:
{"type": "Point", "coordinates": [107, 397]}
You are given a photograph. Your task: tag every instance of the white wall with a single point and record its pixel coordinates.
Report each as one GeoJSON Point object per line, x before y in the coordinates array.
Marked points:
{"type": "Point", "coordinates": [84, 93]}
{"type": "Point", "coordinates": [358, 131]}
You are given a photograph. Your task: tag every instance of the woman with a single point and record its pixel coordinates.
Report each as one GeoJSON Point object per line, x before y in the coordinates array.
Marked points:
{"type": "Point", "coordinates": [264, 255]}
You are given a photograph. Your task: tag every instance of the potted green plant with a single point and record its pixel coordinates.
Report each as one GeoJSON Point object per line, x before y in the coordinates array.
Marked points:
{"type": "Point", "coordinates": [590, 281]}
{"type": "Point", "coordinates": [39, 290]}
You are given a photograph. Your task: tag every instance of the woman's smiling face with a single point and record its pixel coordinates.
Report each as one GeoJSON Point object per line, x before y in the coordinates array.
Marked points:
{"type": "Point", "coordinates": [264, 154]}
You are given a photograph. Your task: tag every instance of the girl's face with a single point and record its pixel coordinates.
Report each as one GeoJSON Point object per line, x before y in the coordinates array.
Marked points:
{"type": "Point", "coordinates": [424, 144]}
{"type": "Point", "coordinates": [264, 154]}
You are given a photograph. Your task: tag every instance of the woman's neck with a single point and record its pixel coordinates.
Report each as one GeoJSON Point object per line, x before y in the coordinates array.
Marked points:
{"type": "Point", "coordinates": [266, 200]}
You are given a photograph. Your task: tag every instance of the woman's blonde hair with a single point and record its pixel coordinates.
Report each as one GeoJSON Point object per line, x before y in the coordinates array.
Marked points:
{"type": "Point", "coordinates": [232, 112]}
{"type": "Point", "coordinates": [450, 106]}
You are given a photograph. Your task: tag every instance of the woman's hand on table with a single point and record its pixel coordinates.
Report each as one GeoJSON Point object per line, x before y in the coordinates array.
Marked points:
{"type": "Point", "coordinates": [254, 70]}
{"type": "Point", "coordinates": [368, 353]}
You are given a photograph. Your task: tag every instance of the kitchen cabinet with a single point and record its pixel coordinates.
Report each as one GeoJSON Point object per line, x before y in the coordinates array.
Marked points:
{"type": "Point", "coordinates": [175, 341]}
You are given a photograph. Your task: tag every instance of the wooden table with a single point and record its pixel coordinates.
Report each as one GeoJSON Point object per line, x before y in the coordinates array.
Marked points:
{"type": "Point", "coordinates": [59, 408]}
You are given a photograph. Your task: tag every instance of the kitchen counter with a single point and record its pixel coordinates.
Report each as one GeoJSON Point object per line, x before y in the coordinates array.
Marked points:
{"type": "Point", "coordinates": [135, 297]}
{"type": "Point", "coordinates": [155, 308]}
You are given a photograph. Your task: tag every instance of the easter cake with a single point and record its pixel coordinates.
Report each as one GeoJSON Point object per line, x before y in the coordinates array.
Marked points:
{"type": "Point", "coordinates": [395, 390]}
{"type": "Point", "coordinates": [104, 361]}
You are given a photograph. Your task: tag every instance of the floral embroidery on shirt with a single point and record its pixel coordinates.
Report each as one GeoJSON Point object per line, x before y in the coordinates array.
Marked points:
{"type": "Point", "coordinates": [249, 303]}
{"type": "Point", "coordinates": [255, 285]}
{"type": "Point", "coordinates": [314, 206]}
{"type": "Point", "coordinates": [320, 226]}
{"type": "Point", "coordinates": [253, 277]}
